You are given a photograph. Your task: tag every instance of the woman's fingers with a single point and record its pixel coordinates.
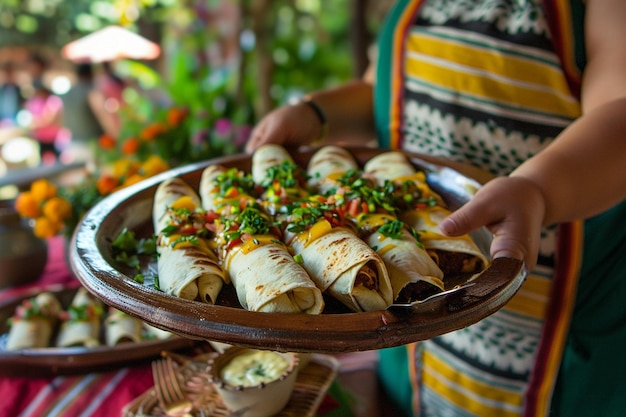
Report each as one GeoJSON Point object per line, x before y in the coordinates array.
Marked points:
{"type": "Point", "coordinates": [512, 209]}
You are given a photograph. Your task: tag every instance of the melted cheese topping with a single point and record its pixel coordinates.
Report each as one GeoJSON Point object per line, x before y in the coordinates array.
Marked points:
{"type": "Point", "coordinates": [254, 367]}
{"type": "Point", "coordinates": [256, 241]}
{"type": "Point", "coordinates": [248, 246]}
{"type": "Point", "coordinates": [418, 177]}
{"type": "Point", "coordinates": [385, 249]}
{"type": "Point", "coordinates": [373, 221]}
{"type": "Point", "coordinates": [425, 235]}
{"type": "Point", "coordinates": [318, 230]}
{"type": "Point", "coordinates": [184, 202]}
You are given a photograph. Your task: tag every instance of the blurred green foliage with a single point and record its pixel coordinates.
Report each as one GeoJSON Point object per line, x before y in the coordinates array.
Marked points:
{"type": "Point", "coordinates": [307, 40]}
{"type": "Point", "coordinates": [222, 59]}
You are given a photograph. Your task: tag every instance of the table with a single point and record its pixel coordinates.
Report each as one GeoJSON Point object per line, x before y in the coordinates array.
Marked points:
{"type": "Point", "coordinates": [99, 394]}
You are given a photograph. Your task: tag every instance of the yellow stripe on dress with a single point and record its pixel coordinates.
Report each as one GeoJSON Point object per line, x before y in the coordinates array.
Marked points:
{"type": "Point", "coordinates": [505, 62]}
{"type": "Point", "coordinates": [532, 298]}
{"type": "Point", "coordinates": [509, 80]}
{"type": "Point", "coordinates": [460, 389]}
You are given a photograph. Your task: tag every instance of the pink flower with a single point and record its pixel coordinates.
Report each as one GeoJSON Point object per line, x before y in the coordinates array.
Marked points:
{"type": "Point", "coordinates": [223, 127]}
{"type": "Point", "coordinates": [242, 133]}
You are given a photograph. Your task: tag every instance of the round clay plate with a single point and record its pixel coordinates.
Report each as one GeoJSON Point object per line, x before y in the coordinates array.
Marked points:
{"type": "Point", "coordinates": [335, 330]}
{"type": "Point", "coordinates": [48, 361]}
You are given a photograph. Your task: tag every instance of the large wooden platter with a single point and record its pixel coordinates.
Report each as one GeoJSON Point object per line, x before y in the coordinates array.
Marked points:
{"type": "Point", "coordinates": [50, 361]}
{"type": "Point", "coordinates": [332, 331]}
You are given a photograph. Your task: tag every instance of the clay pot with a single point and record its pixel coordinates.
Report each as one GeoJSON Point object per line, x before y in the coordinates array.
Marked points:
{"type": "Point", "coordinates": [23, 256]}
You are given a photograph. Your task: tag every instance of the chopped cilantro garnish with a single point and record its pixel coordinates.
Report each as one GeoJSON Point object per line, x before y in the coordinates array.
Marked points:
{"type": "Point", "coordinates": [126, 247]}
{"type": "Point", "coordinates": [392, 229]}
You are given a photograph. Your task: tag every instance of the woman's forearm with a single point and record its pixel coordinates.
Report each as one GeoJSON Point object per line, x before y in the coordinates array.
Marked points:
{"type": "Point", "coordinates": [583, 172]}
{"type": "Point", "coordinates": [348, 109]}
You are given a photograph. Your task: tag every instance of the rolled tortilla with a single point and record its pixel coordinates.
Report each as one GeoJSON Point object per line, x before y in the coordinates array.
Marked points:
{"type": "Point", "coordinates": [282, 180]}
{"type": "Point", "coordinates": [120, 327]}
{"type": "Point", "coordinates": [327, 164]}
{"type": "Point", "coordinates": [414, 275]}
{"type": "Point", "coordinates": [389, 165]}
{"type": "Point", "coordinates": [454, 255]}
{"type": "Point", "coordinates": [212, 195]}
{"type": "Point", "coordinates": [81, 323]}
{"type": "Point", "coordinates": [265, 157]}
{"type": "Point", "coordinates": [344, 266]}
{"type": "Point", "coordinates": [33, 322]}
{"type": "Point", "coordinates": [412, 272]}
{"type": "Point", "coordinates": [190, 271]}
{"type": "Point", "coordinates": [395, 166]}
{"type": "Point", "coordinates": [267, 279]}
{"type": "Point", "coordinates": [265, 275]}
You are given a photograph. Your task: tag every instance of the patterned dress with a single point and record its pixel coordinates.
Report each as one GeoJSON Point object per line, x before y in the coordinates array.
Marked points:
{"type": "Point", "coordinates": [492, 83]}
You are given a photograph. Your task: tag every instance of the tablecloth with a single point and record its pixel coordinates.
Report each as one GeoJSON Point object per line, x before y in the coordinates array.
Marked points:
{"type": "Point", "coordinates": [101, 394]}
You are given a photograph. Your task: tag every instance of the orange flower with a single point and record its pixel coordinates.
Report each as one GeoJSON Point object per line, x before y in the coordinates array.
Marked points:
{"type": "Point", "coordinates": [133, 179]}
{"type": "Point", "coordinates": [42, 190]}
{"type": "Point", "coordinates": [150, 132]}
{"type": "Point", "coordinates": [45, 227]}
{"type": "Point", "coordinates": [107, 141]}
{"type": "Point", "coordinates": [125, 167]}
{"type": "Point", "coordinates": [154, 165]}
{"type": "Point", "coordinates": [175, 116]}
{"type": "Point", "coordinates": [106, 184]}
{"type": "Point", "coordinates": [130, 147]}
{"type": "Point", "coordinates": [57, 209]}
{"type": "Point", "coordinates": [27, 206]}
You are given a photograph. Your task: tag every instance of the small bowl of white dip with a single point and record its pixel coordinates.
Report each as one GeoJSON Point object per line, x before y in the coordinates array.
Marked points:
{"type": "Point", "coordinates": [253, 382]}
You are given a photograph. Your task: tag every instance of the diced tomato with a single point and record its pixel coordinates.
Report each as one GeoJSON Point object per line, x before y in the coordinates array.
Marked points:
{"type": "Point", "coordinates": [210, 216]}
{"type": "Point", "coordinates": [365, 207]}
{"type": "Point", "coordinates": [332, 219]}
{"type": "Point", "coordinates": [234, 243]}
{"type": "Point", "coordinates": [353, 207]}
{"type": "Point", "coordinates": [187, 230]}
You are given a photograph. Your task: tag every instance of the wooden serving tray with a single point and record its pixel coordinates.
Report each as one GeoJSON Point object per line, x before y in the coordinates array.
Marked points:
{"type": "Point", "coordinates": [50, 361]}
{"type": "Point", "coordinates": [333, 331]}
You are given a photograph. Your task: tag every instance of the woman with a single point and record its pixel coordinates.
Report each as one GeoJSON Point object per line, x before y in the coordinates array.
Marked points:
{"type": "Point", "coordinates": [85, 116]}
{"type": "Point", "coordinates": [46, 110]}
{"type": "Point", "coordinates": [535, 93]}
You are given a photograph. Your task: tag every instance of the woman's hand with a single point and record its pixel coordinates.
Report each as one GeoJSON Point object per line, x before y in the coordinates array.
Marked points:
{"type": "Point", "coordinates": [512, 209]}
{"type": "Point", "coordinates": [347, 110]}
{"type": "Point", "coordinates": [292, 124]}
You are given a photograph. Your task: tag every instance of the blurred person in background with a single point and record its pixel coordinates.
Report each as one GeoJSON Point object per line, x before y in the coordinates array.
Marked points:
{"type": "Point", "coordinates": [85, 116]}
{"type": "Point", "coordinates": [46, 111]}
{"type": "Point", "coordinates": [112, 87]}
{"type": "Point", "coordinates": [11, 99]}
{"type": "Point", "coordinates": [37, 66]}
